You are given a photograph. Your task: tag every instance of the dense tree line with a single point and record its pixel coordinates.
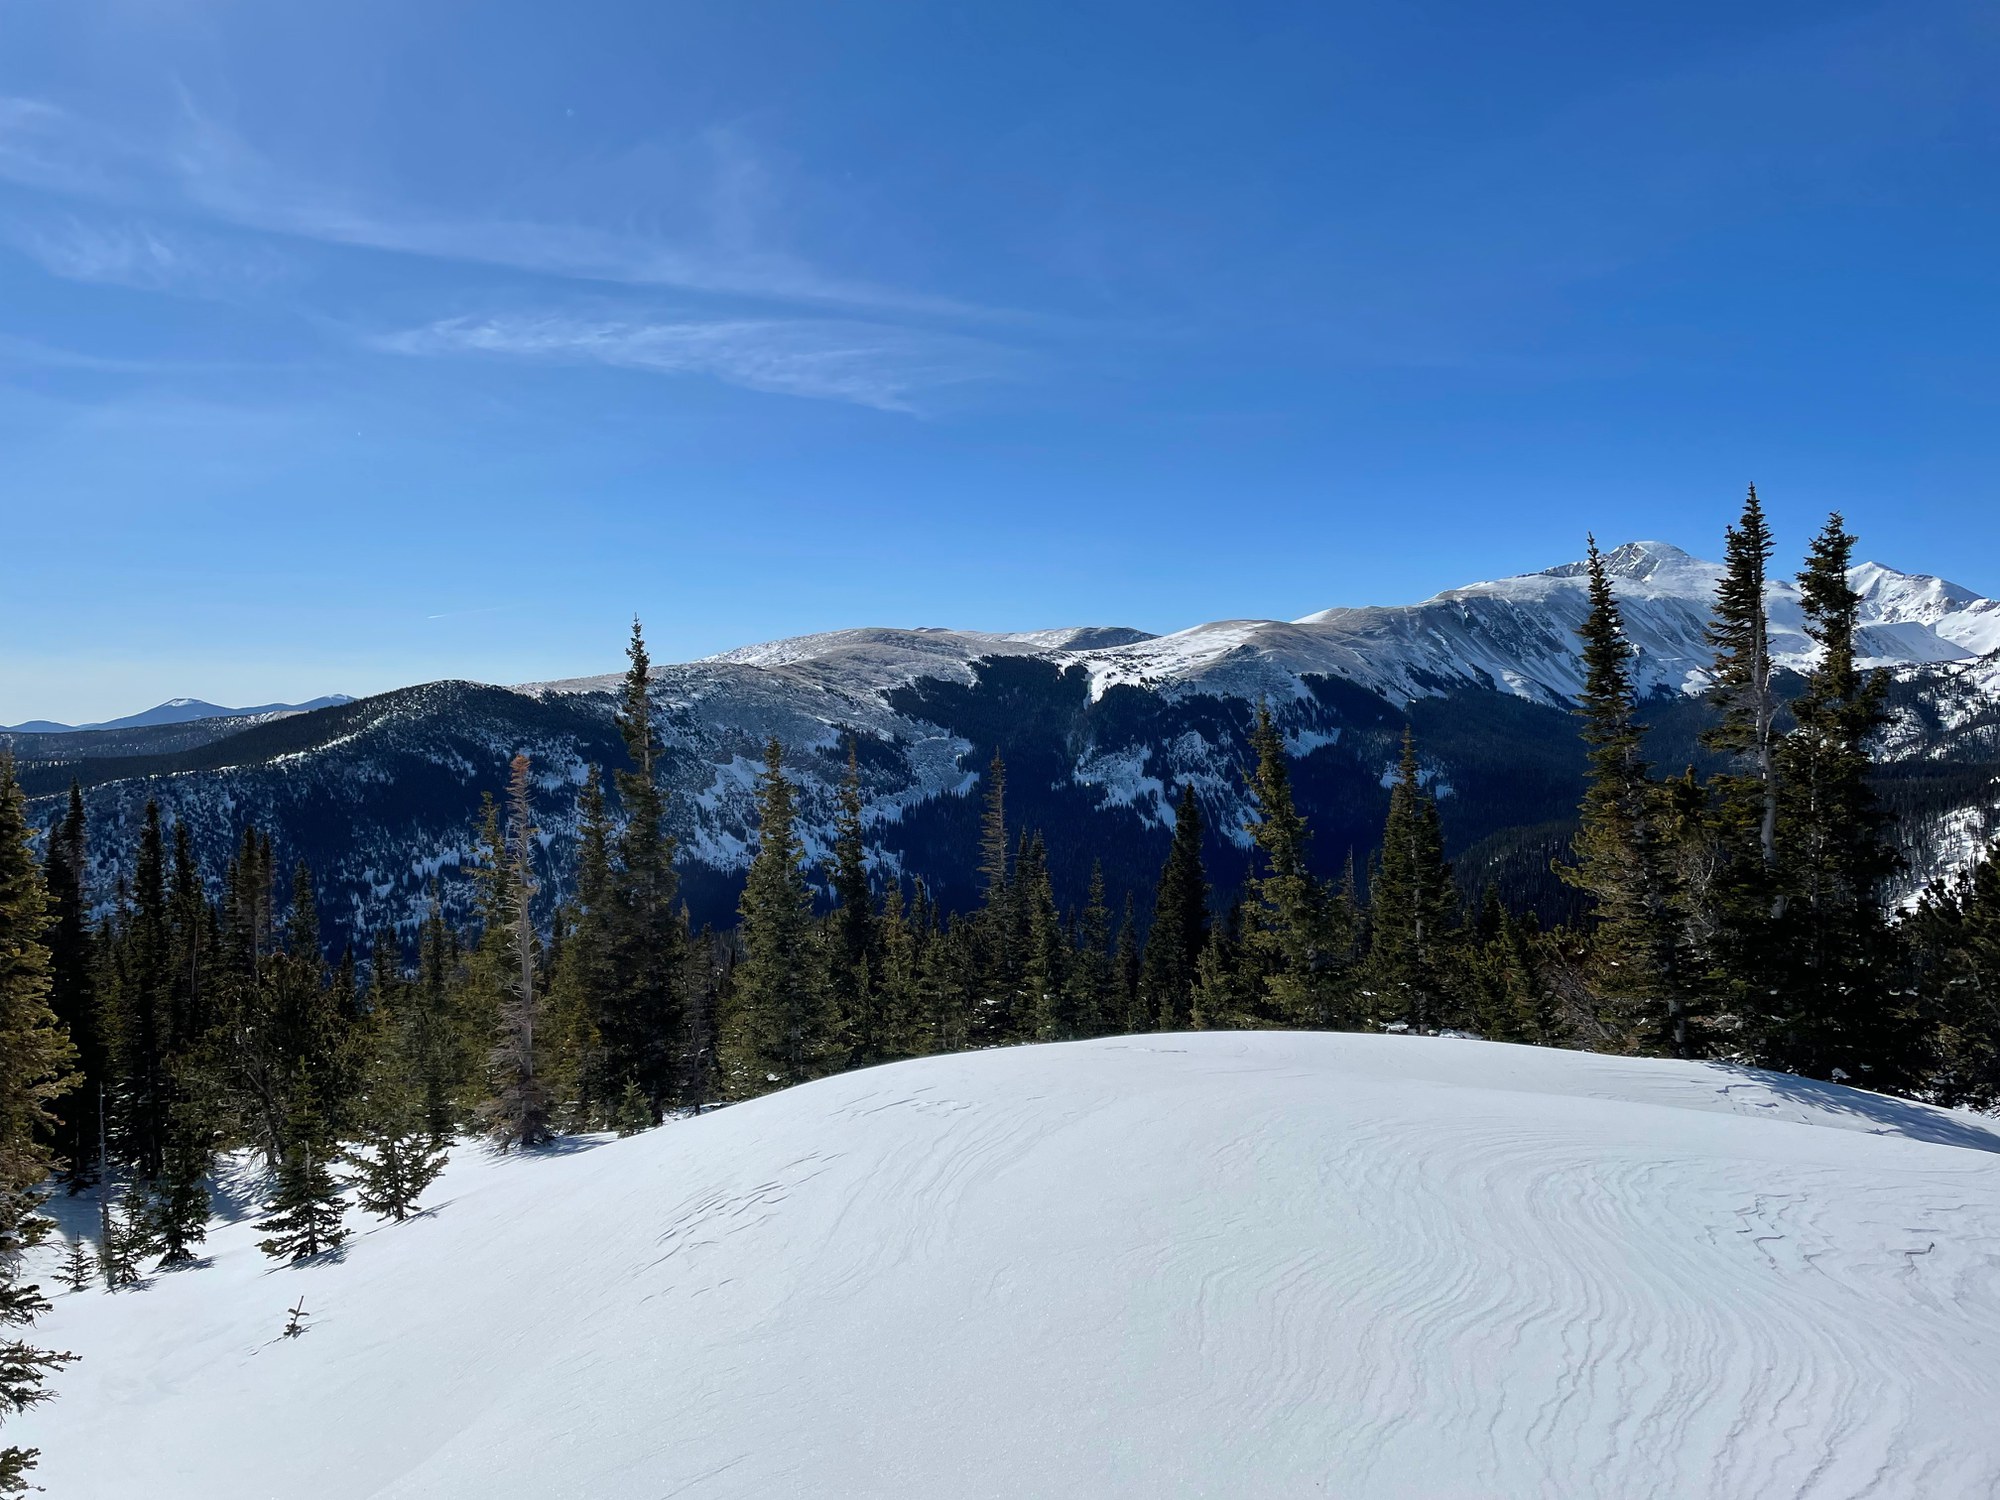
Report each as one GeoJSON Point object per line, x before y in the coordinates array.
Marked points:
{"type": "Point", "coordinates": [143, 1032]}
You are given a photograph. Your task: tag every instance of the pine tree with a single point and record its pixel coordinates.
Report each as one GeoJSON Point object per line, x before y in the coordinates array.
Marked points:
{"type": "Point", "coordinates": [997, 929]}
{"type": "Point", "coordinates": [395, 1159]}
{"type": "Point", "coordinates": [1046, 1013]}
{"type": "Point", "coordinates": [1741, 687]}
{"type": "Point", "coordinates": [1839, 1014]}
{"type": "Point", "coordinates": [79, 1265]}
{"type": "Point", "coordinates": [641, 1025]}
{"type": "Point", "coordinates": [73, 994]}
{"type": "Point", "coordinates": [1622, 854]}
{"type": "Point", "coordinates": [35, 1067]}
{"type": "Point", "coordinates": [436, 1045]}
{"type": "Point", "coordinates": [1288, 936]}
{"type": "Point", "coordinates": [129, 1238]}
{"type": "Point", "coordinates": [305, 1212]}
{"type": "Point", "coordinates": [1737, 894]}
{"type": "Point", "coordinates": [1411, 902]}
{"type": "Point", "coordinates": [855, 945]}
{"type": "Point", "coordinates": [1093, 1002]}
{"type": "Point", "coordinates": [1126, 963]}
{"type": "Point", "coordinates": [1954, 948]}
{"type": "Point", "coordinates": [1225, 989]}
{"type": "Point", "coordinates": [780, 1032]}
{"type": "Point", "coordinates": [1180, 921]}
{"type": "Point", "coordinates": [518, 1114]}
{"type": "Point", "coordinates": [141, 1007]}
{"type": "Point", "coordinates": [586, 970]}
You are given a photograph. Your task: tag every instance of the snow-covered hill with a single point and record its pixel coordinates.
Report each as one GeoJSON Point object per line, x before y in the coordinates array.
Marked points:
{"type": "Point", "coordinates": [1222, 1264]}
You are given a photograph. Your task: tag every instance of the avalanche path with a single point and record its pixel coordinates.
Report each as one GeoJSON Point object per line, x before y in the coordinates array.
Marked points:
{"type": "Point", "coordinates": [1227, 1264]}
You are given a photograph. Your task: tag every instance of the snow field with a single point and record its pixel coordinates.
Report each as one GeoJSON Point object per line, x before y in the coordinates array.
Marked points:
{"type": "Point", "coordinates": [1224, 1264]}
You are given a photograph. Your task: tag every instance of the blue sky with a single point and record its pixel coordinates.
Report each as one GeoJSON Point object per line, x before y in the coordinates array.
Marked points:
{"type": "Point", "coordinates": [348, 346]}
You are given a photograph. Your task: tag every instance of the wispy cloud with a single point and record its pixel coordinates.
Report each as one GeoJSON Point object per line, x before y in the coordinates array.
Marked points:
{"type": "Point", "coordinates": [142, 255]}
{"type": "Point", "coordinates": [869, 364]}
{"type": "Point", "coordinates": [198, 164]}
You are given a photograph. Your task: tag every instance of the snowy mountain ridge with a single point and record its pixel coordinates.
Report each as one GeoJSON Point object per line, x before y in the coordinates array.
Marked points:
{"type": "Point", "coordinates": [1516, 635]}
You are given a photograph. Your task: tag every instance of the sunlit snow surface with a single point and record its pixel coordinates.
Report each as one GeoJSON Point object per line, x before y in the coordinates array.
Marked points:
{"type": "Point", "coordinates": [1223, 1265]}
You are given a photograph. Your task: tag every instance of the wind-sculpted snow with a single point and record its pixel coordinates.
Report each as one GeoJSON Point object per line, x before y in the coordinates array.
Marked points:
{"type": "Point", "coordinates": [1221, 1264]}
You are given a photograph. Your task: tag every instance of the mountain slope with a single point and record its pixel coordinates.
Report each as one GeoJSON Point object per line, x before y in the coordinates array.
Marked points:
{"type": "Point", "coordinates": [1103, 727]}
{"type": "Point", "coordinates": [1217, 1264]}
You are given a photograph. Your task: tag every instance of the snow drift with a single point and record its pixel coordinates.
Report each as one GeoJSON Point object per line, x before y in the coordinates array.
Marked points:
{"type": "Point", "coordinates": [1221, 1264]}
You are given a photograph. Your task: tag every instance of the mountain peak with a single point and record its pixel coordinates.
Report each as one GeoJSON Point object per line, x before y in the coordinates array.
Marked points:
{"type": "Point", "coordinates": [1635, 561]}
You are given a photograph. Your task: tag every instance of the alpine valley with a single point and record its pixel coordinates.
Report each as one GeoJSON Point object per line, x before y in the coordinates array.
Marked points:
{"type": "Point", "coordinates": [1100, 728]}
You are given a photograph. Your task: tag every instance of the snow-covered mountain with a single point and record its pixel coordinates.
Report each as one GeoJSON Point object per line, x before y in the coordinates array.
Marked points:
{"type": "Point", "coordinates": [1516, 635]}
{"type": "Point", "coordinates": [1102, 725]}
{"type": "Point", "coordinates": [181, 711]}
{"type": "Point", "coordinates": [1227, 1264]}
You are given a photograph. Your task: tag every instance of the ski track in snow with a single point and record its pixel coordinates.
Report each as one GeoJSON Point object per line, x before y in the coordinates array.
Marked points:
{"type": "Point", "coordinates": [1223, 1264]}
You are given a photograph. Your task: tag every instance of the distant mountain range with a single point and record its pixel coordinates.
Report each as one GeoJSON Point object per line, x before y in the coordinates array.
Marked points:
{"type": "Point", "coordinates": [1100, 726]}
{"type": "Point", "coordinates": [180, 711]}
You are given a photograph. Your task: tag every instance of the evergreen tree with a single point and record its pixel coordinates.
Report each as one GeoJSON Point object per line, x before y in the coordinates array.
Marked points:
{"type": "Point", "coordinates": [586, 969]}
{"type": "Point", "coordinates": [780, 1035]}
{"type": "Point", "coordinates": [141, 1007]}
{"type": "Point", "coordinates": [1954, 947]}
{"type": "Point", "coordinates": [1622, 854]}
{"type": "Point", "coordinates": [1046, 1015]}
{"type": "Point", "coordinates": [641, 1025]}
{"type": "Point", "coordinates": [855, 954]}
{"type": "Point", "coordinates": [997, 932]}
{"type": "Point", "coordinates": [1838, 1011]}
{"type": "Point", "coordinates": [129, 1237]}
{"type": "Point", "coordinates": [304, 1214]}
{"type": "Point", "coordinates": [73, 994]}
{"type": "Point", "coordinates": [79, 1265]}
{"type": "Point", "coordinates": [1126, 963]}
{"type": "Point", "coordinates": [1741, 687]}
{"type": "Point", "coordinates": [1093, 1002]}
{"type": "Point", "coordinates": [1411, 902]}
{"type": "Point", "coordinates": [1288, 937]}
{"type": "Point", "coordinates": [35, 1067]}
{"type": "Point", "coordinates": [394, 1159]}
{"type": "Point", "coordinates": [1180, 921]}
{"type": "Point", "coordinates": [1225, 991]}
{"type": "Point", "coordinates": [435, 1044]}
{"type": "Point", "coordinates": [518, 1114]}
{"type": "Point", "coordinates": [1737, 894]}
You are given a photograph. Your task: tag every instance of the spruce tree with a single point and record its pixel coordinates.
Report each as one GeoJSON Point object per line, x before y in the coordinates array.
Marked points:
{"type": "Point", "coordinates": [394, 1159]}
{"type": "Point", "coordinates": [780, 1034]}
{"type": "Point", "coordinates": [73, 993]}
{"type": "Point", "coordinates": [79, 1265]}
{"type": "Point", "coordinates": [1954, 969]}
{"type": "Point", "coordinates": [1411, 902]}
{"type": "Point", "coordinates": [855, 955]}
{"type": "Point", "coordinates": [1737, 890]}
{"type": "Point", "coordinates": [1046, 1014]}
{"type": "Point", "coordinates": [35, 1067]}
{"type": "Point", "coordinates": [518, 1113]}
{"type": "Point", "coordinates": [1623, 858]}
{"type": "Point", "coordinates": [1126, 962]}
{"type": "Point", "coordinates": [303, 1216]}
{"type": "Point", "coordinates": [1180, 921]}
{"type": "Point", "coordinates": [1093, 1002]}
{"type": "Point", "coordinates": [1839, 1012]}
{"type": "Point", "coordinates": [641, 1024]}
{"type": "Point", "coordinates": [583, 970]}
{"type": "Point", "coordinates": [1288, 938]}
